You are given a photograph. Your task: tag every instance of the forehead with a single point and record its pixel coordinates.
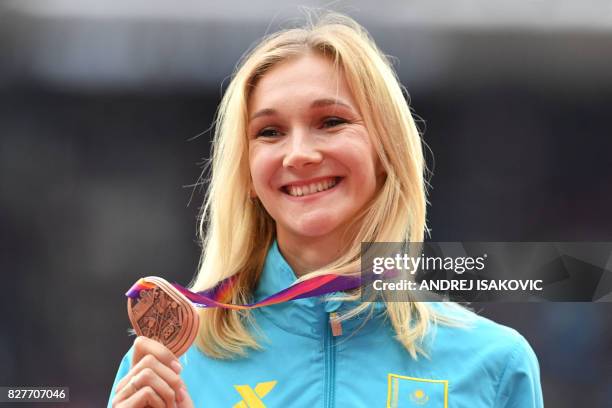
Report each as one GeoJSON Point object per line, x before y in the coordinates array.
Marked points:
{"type": "Point", "coordinates": [309, 76]}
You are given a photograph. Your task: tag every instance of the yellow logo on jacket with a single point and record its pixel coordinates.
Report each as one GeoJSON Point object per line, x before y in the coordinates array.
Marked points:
{"type": "Point", "coordinates": [419, 397]}
{"type": "Point", "coordinates": [406, 391]}
{"type": "Point", "coordinates": [252, 398]}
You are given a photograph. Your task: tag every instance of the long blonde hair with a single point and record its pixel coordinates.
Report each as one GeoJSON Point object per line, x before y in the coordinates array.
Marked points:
{"type": "Point", "coordinates": [236, 232]}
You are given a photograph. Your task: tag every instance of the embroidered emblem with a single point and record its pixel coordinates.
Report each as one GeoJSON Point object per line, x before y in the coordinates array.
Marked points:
{"type": "Point", "coordinates": [419, 397]}
{"type": "Point", "coordinates": [406, 391]}
{"type": "Point", "coordinates": [252, 398]}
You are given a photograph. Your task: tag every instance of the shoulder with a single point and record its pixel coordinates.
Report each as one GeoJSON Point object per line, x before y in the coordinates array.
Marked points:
{"type": "Point", "coordinates": [487, 349]}
{"type": "Point", "coordinates": [472, 331]}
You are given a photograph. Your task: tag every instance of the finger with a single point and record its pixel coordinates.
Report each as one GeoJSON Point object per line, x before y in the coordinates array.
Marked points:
{"type": "Point", "coordinates": [144, 397]}
{"type": "Point", "coordinates": [148, 378]}
{"type": "Point", "coordinates": [125, 390]}
{"type": "Point", "coordinates": [186, 401]}
{"type": "Point", "coordinates": [143, 346]}
{"type": "Point", "coordinates": [167, 374]}
{"type": "Point", "coordinates": [122, 383]}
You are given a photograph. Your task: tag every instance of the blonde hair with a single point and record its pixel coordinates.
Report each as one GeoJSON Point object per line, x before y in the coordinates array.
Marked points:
{"type": "Point", "coordinates": [236, 232]}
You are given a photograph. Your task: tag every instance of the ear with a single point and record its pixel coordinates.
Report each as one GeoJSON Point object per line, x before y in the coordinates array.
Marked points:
{"type": "Point", "coordinates": [252, 193]}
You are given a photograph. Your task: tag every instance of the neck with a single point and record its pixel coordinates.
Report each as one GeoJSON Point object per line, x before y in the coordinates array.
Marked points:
{"type": "Point", "coordinates": [309, 254]}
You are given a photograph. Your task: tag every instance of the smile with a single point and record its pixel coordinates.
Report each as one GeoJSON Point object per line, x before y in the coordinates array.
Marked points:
{"type": "Point", "coordinates": [311, 188]}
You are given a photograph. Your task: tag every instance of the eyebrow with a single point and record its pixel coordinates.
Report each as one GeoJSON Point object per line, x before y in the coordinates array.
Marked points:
{"type": "Point", "coordinates": [319, 103]}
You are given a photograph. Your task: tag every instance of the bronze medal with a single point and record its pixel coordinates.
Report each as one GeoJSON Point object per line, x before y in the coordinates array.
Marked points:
{"type": "Point", "coordinates": [164, 314]}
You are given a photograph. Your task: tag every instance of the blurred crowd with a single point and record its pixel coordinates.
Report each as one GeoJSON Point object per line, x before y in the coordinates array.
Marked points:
{"type": "Point", "coordinates": [105, 124]}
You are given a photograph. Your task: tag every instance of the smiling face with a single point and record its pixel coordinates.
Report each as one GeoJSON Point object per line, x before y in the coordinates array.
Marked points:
{"type": "Point", "coordinates": [312, 163]}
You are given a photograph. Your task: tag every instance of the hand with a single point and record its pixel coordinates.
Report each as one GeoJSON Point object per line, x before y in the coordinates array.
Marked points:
{"type": "Point", "coordinates": [153, 380]}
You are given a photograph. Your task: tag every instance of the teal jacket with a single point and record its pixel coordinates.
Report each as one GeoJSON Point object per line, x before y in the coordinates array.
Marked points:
{"type": "Point", "coordinates": [303, 364]}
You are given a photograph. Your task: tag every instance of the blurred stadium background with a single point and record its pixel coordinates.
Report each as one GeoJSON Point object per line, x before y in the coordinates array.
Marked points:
{"type": "Point", "coordinates": [104, 108]}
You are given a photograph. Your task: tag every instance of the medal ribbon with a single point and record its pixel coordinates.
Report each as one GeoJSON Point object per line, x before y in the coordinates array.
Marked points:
{"type": "Point", "coordinates": [317, 286]}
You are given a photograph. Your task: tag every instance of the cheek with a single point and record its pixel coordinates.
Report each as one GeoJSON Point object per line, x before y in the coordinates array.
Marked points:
{"type": "Point", "coordinates": [359, 158]}
{"type": "Point", "coordinates": [261, 167]}
{"type": "Point", "coordinates": [254, 169]}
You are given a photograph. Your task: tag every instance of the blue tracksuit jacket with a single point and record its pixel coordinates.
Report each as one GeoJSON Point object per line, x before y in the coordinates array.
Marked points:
{"type": "Point", "coordinates": [303, 365]}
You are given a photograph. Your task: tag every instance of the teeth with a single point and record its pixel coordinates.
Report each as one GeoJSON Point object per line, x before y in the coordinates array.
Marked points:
{"type": "Point", "coordinates": [311, 188]}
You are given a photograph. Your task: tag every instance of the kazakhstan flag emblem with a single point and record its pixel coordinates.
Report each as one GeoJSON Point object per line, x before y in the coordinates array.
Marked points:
{"type": "Point", "coordinates": [419, 397]}
{"type": "Point", "coordinates": [416, 392]}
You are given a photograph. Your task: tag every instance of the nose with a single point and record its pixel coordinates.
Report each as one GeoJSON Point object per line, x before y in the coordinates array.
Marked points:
{"type": "Point", "coordinates": [302, 150]}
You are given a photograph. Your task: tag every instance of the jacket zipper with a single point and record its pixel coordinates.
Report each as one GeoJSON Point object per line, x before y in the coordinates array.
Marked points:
{"type": "Point", "coordinates": [330, 366]}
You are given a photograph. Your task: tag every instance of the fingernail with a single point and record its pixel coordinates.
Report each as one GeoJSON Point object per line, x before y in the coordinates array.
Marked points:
{"type": "Point", "coordinates": [176, 366]}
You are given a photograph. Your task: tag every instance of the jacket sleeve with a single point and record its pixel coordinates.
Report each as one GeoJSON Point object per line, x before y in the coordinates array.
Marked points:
{"type": "Point", "coordinates": [519, 386]}
{"type": "Point", "coordinates": [124, 367]}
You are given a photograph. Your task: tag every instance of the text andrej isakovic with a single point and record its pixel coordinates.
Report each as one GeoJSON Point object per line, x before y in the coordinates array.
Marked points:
{"type": "Point", "coordinates": [458, 265]}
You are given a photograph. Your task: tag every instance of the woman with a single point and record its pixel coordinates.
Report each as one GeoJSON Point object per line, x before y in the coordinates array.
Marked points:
{"type": "Point", "coordinates": [316, 151]}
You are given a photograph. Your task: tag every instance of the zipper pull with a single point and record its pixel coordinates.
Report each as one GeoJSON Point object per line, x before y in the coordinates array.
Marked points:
{"type": "Point", "coordinates": [336, 325]}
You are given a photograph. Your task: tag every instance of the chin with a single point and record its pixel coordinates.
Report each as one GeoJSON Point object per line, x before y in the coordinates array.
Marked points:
{"type": "Point", "coordinates": [314, 227]}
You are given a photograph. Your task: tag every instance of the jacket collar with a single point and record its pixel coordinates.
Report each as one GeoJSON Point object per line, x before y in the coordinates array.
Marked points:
{"type": "Point", "coordinates": [310, 316]}
{"type": "Point", "coordinates": [277, 274]}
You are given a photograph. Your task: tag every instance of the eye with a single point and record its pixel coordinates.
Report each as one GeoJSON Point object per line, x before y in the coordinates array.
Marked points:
{"type": "Point", "coordinates": [333, 121]}
{"type": "Point", "coordinates": [268, 132]}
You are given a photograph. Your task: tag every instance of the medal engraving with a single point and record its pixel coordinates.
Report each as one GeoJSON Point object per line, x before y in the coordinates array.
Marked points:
{"type": "Point", "coordinates": [164, 314]}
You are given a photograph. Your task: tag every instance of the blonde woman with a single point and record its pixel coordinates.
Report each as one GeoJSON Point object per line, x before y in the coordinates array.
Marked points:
{"type": "Point", "coordinates": [315, 151]}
